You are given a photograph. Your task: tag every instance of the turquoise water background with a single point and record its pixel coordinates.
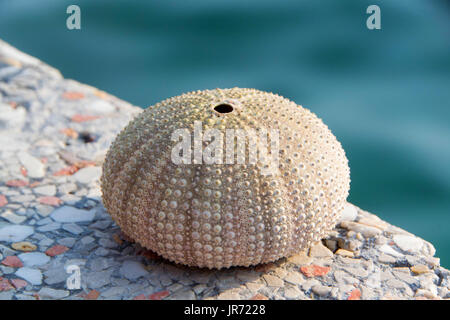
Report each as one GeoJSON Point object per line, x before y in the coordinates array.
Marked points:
{"type": "Point", "coordinates": [384, 93]}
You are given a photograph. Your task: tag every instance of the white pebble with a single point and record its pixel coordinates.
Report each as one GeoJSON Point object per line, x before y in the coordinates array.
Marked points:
{"type": "Point", "coordinates": [33, 276]}
{"type": "Point", "coordinates": [31, 259]}
{"type": "Point", "coordinates": [408, 243]}
{"type": "Point", "coordinates": [15, 233]}
{"type": "Point", "coordinates": [349, 213]}
{"type": "Point", "coordinates": [87, 175]}
{"type": "Point", "coordinates": [34, 166]}
{"type": "Point", "coordinates": [71, 214]}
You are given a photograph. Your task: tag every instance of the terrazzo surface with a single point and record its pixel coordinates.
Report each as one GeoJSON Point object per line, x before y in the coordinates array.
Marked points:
{"type": "Point", "coordinates": [54, 134]}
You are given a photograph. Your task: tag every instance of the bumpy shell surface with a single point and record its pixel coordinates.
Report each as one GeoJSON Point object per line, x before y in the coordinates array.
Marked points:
{"type": "Point", "coordinates": [223, 215]}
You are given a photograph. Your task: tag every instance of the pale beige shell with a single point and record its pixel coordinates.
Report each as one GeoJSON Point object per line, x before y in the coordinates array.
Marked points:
{"type": "Point", "coordinates": [224, 215]}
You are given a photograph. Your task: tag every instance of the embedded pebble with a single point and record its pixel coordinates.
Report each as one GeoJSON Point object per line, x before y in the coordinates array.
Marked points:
{"type": "Point", "coordinates": [366, 231]}
{"type": "Point", "coordinates": [273, 281]}
{"type": "Point", "coordinates": [6, 270]}
{"type": "Point", "coordinates": [228, 295]}
{"type": "Point", "coordinates": [87, 175]}
{"type": "Point", "coordinates": [86, 240]}
{"type": "Point", "coordinates": [384, 258]}
{"type": "Point", "coordinates": [99, 264]}
{"type": "Point", "coordinates": [12, 217]}
{"type": "Point", "coordinates": [391, 251]}
{"type": "Point", "coordinates": [49, 227]}
{"type": "Point", "coordinates": [101, 251]}
{"type": "Point", "coordinates": [420, 268]}
{"type": "Point", "coordinates": [44, 210]}
{"type": "Point", "coordinates": [114, 291]}
{"type": "Point", "coordinates": [10, 119]}
{"type": "Point", "coordinates": [294, 278]}
{"type": "Point", "coordinates": [321, 290]}
{"type": "Point", "coordinates": [308, 284]}
{"type": "Point", "coordinates": [15, 233]}
{"type": "Point", "coordinates": [349, 213]}
{"type": "Point", "coordinates": [72, 228]}
{"type": "Point", "coordinates": [331, 244]}
{"type": "Point", "coordinates": [22, 198]}
{"type": "Point", "coordinates": [31, 259]}
{"type": "Point", "coordinates": [49, 190]}
{"type": "Point", "coordinates": [6, 251]}
{"type": "Point", "coordinates": [99, 279]}
{"type": "Point", "coordinates": [55, 275]}
{"type": "Point", "coordinates": [186, 295]}
{"type": "Point", "coordinates": [35, 168]}
{"type": "Point", "coordinates": [19, 283]}
{"type": "Point", "coordinates": [101, 106]}
{"type": "Point", "coordinates": [24, 246]}
{"type": "Point", "coordinates": [67, 188]}
{"type": "Point", "coordinates": [67, 242]}
{"type": "Point", "coordinates": [49, 293]}
{"type": "Point", "coordinates": [373, 221]}
{"type": "Point", "coordinates": [72, 215]}
{"type": "Point", "coordinates": [318, 250]}
{"type": "Point", "coordinates": [408, 243]}
{"type": "Point", "coordinates": [345, 253]}
{"type": "Point", "coordinates": [12, 261]}
{"type": "Point", "coordinates": [132, 270]}
{"type": "Point", "coordinates": [44, 221]}
{"type": "Point", "coordinates": [56, 250]}
{"type": "Point", "coordinates": [292, 293]}
{"type": "Point", "coordinates": [300, 259]}
{"type": "Point", "coordinates": [102, 224]}
{"type": "Point", "coordinates": [33, 276]}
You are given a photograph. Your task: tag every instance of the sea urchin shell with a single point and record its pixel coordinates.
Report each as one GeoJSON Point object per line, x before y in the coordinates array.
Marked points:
{"type": "Point", "coordinates": [224, 214]}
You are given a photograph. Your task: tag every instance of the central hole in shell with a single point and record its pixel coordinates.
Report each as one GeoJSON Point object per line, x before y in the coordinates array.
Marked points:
{"type": "Point", "coordinates": [223, 108]}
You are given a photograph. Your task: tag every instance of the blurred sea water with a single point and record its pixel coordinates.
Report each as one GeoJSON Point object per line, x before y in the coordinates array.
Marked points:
{"type": "Point", "coordinates": [384, 93]}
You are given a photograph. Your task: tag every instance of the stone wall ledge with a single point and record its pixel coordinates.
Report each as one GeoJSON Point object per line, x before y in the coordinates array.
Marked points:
{"type": "Point", "coordinates": [54, 134]}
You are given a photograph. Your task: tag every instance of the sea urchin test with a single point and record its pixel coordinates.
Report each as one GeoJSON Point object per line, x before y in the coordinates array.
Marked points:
{"type": "Point", "coordinates": [225, 177]}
